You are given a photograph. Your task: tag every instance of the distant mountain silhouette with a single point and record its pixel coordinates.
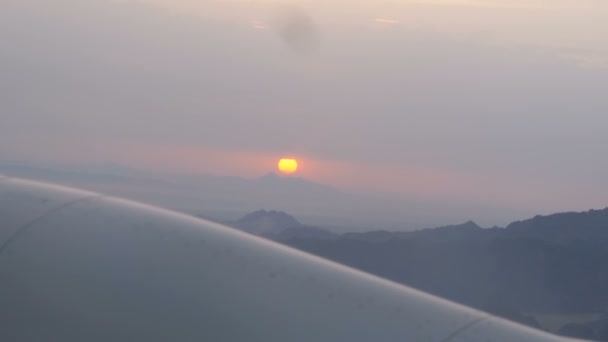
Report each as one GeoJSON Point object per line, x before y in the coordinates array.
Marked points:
{"type": "Point", "coordinates": [278, 225]}
{"type": "Point", "coordinates": [587, 228]}
{"type": "Point", "coordinates": [466, 231]}
{"type": "Point", "coordinates": [268, 223]}
{"type": "Point", "coordinates": [204, 195]}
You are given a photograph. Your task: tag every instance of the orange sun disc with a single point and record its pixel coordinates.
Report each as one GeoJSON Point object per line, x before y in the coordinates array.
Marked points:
{"type": "Point", "coordinates": [288, 166]}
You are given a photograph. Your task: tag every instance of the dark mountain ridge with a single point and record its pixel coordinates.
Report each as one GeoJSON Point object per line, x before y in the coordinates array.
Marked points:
{"type": "Point", "coordinates": [589, 229]}
{"type": "Point", "coordinates": [555, 264]}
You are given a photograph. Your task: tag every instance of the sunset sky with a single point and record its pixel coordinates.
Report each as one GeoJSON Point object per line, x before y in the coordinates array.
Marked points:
{"type": "Point", "coordinates": [501, 103]}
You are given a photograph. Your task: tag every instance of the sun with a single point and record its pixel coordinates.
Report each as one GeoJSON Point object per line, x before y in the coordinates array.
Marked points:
{"type": "Point", "coordinates": [288, 166]}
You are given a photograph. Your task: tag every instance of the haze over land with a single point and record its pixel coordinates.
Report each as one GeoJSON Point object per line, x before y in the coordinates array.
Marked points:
{"type": "Point", "coordinates": [226, 198]}
{"type": "Point", "coordinates": [454, 110]}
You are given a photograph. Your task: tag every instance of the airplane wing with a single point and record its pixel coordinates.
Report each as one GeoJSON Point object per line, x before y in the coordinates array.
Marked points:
{"type": "Point", "coordinates": [80, 266]}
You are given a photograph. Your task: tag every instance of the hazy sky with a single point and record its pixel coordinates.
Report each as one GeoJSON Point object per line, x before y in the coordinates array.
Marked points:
{"type": "Point", "coordinates": [502, 103]}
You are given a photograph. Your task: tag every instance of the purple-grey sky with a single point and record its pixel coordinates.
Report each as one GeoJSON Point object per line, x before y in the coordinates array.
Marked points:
{"type": "Point", "coordinates": [491, 102]}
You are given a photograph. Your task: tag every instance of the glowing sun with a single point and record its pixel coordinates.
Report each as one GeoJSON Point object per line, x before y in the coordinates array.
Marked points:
{"type": "Point", "coordinates": [288, 166]}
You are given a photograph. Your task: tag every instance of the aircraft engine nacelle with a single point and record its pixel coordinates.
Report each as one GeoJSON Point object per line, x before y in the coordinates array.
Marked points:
{"type": "Point", "coordinates": [79, 266]}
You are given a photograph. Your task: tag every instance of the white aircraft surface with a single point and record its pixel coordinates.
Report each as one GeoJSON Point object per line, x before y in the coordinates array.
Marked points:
{"type": "Point", "coordinates": [80, 266]}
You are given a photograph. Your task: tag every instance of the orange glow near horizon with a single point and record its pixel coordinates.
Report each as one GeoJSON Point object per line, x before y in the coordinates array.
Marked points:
{"type": "Point", "coordinates": [351, 176]}
{"type": "Point", "coordinates": [287, 166]}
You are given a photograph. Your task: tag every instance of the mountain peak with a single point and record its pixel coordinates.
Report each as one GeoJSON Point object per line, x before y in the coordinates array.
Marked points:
{"type": "Point", "coordinates": [271, 214]}
{"type": "Point", "coordinates": [270, 176]}
{"type": "Point", "coordinates": [467, 226]}
{"type": "Point", "coordinates": [263, 222]}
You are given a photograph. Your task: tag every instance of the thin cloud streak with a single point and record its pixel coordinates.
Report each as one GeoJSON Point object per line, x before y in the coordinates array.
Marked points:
{"type": "Point", "coordinates": [387, 21]}
{"type": "Point", "coordinates": [504, 4]}
{"type": "Point", "coordinates": [258, 25]}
